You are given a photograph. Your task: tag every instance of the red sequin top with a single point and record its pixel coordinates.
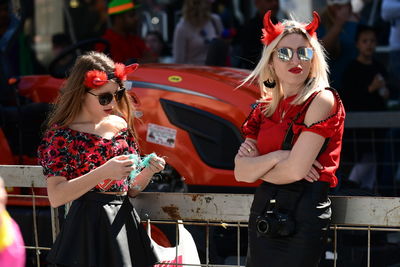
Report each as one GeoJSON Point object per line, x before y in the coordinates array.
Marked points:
{"type": "Point", "coordinates": [69, 153]}
{"type": "Point", "coordinates": [270, 131]}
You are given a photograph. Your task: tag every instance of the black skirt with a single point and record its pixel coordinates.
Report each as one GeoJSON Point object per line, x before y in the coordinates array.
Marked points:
{"type": "Point", "coordinates": [305, 247]}
{"type": "Point", "coordinates": [102, 230]}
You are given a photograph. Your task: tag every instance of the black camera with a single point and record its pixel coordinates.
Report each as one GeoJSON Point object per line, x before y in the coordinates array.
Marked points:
{"type": "Point", "coordinates": [274, 223]}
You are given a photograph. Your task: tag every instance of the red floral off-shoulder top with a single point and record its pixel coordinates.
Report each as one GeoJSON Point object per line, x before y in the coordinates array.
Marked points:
{"type": "Point", "coordinates": [270, 131]}
{"type": "Point", "coordinates": [69, 153]}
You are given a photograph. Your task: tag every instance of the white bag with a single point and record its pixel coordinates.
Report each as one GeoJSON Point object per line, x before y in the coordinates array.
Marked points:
{"type": "Point", "coordinates": [184, 253]}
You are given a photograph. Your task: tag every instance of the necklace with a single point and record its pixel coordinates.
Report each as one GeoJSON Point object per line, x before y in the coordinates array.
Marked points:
{"type": "Point", "coordinates": [283, 111]}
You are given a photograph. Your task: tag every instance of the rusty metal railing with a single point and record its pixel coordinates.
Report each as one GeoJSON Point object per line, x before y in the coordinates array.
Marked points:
{"type": "Point", "coordinates": [352, 215]}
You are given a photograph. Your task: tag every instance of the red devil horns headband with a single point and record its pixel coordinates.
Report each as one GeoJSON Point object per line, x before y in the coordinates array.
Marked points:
{"type": "Point", "coordinates": [96, 78]}
{"type": "Point", "coordinates": [271, 31]}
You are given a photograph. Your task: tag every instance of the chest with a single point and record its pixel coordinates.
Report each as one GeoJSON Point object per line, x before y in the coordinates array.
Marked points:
{"type": "Point", "coordinates": [273, 129]}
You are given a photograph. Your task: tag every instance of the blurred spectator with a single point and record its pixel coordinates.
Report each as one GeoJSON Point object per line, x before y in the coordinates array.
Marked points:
{"type": "Point", "coordinates": [337, 33]}
{"type": "Point", "coordinates": [195, 31]}
{"type": "Point", "coordinates": [88, 19]}
{"type": "Point", "coordinates": [12, 58]}
{"type": "Point", "coordinates": [19, 57]}
{"type": "Point", "coordinates": [59, 42]}
{"type": "Point", "coordinates": [12, 250]}
{"type": "Point", "coordinates": [364, 87]}
{"type": "Point", "coordinates": [125, 45]}
{"type": "Point", "coordinates": [229, 12]}
{"type": "Point", "coordinates": [391, 12]}
{"type": "Point", "coordinates": [158, 47]}
{"type": "Point", "coordinates": [250, 34]}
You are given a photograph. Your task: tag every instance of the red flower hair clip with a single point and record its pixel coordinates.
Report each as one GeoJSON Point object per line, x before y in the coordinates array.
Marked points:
{"type": "Point", "coordinates": [97, 78]}
{"type": "Point", "coordinates": [271, 31]}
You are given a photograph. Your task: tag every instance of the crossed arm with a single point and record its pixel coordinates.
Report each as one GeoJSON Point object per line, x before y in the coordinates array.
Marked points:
{"type": "Point", "coordinates": [283, 167]}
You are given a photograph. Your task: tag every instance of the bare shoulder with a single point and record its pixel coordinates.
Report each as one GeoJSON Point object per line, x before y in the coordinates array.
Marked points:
{"type": "Point", "coordinates": [321, 107]}
{"type": "Point", "coordinates": [324, 98]}
{"type": "Point", "coordinates": [117, 121]}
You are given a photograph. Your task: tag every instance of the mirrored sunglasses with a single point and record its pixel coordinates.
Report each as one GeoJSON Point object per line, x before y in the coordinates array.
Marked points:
{"type": "Point", "coordinates": [303, 53]}
{"type": "Point", "coordinates": [106, 98]}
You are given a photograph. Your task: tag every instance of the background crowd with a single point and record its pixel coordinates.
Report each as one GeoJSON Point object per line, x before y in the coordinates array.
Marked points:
{"type": "Point", "coordinates": [226, 33]}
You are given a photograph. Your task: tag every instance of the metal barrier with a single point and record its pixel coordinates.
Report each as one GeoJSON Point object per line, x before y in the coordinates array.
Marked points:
{"type": "Point", "coordinates": [370, 159]}
{"type": "Point", "coordinates": [228, 211]}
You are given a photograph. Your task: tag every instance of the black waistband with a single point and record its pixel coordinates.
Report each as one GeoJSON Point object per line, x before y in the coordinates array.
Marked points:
{"type": "Point", "coordinates": [103, 198]}
{"type": "Point", "coordinates": [304, 185]}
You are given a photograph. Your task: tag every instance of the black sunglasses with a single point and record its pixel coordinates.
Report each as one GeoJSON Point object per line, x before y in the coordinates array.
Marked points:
{"type": "Point", "coordinates": [303, 53]}
{"type": "Point", "coordinates": [106, 98]}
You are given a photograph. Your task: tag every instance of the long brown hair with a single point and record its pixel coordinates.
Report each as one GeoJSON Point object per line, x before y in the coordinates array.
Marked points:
{"type": "Point", "coordinates": [69, 101]}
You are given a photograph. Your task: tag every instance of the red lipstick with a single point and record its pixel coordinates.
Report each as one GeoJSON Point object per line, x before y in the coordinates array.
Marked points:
{"type": "Point", "coordinates": [296, 70]}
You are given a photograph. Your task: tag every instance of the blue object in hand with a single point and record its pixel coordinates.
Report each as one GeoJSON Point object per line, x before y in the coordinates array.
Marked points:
{"type": "Point", "coordinates": [140, 164]}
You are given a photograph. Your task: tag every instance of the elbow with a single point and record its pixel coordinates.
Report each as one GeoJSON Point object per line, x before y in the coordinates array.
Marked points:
{"type": "Point", "coordinates": [240, 176]}
{"type": "Point", "coordinates": [237, 175]}
{"type": "Point", "coordinates": [54, 203]}
{"type": "Point", "coordinates": [237, 172]}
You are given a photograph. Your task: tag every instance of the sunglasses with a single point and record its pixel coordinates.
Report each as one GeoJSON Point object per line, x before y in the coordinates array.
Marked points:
{"type": "Point", "coordinates": [106, 98]}
{"type": "Point", "coordinates": [303, 53]}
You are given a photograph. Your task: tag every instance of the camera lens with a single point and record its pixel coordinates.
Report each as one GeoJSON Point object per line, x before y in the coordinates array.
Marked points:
{"type": "Point", "coordinates": [262, 226]}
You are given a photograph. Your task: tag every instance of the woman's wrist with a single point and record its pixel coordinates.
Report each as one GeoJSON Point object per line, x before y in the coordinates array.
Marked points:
{"type": "Point", "coordinates": [141, 180]}
{"type": "Point", "coordinates": [100, 174]}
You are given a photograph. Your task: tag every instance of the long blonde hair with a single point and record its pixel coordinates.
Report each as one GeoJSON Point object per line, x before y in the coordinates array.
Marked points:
{"type": "Point", "coordinates": [196, 12]}
{"type": "Point", "coordinates": [317, 79]}
{"type": "Point", "coordinates": [69, 101]}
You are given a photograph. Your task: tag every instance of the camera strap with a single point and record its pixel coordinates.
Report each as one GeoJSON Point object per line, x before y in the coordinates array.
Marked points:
{"type": "Point", "coordinates": [288, 141]}
{"type": "Point", "coordinates": [284, 198]}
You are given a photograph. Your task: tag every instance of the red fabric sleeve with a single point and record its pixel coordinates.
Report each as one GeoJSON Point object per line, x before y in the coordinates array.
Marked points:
{"type": "Point", "coordinates": [326, 128]}
{"type": "Point", "coordinates": [251, 126]}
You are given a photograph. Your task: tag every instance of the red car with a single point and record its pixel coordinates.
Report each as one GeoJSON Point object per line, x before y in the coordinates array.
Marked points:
{"type": "Point", "coordinates": [190, 114]}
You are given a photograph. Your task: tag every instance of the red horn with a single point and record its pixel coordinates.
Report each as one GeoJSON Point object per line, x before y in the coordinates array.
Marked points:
{"type": "Point", "coordinates": [270, 30]}
{"type": "Point", "coordinates": [131, 68]}
{"type": "Point", "coordinates": [312, 27]}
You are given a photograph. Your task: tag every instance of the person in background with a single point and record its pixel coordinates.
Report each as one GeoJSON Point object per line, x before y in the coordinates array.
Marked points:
{"type": "Point", "coordinates": [337, 33]}
{"type": "Point", "coordinates": [125, 44]}
{"type": "Point", "coordinates": [391, 12]}
{"type": "Point", "coordinates": [59, 42]}
{"type": "Point", "coordinates": [293, 139]}
{"type": "Point", "coordinates": [364, 87]}
{"type": "Point", "coordinates": [12, 250]}
{"type": "Point", "coordinates": [85, 154]}
{"type": "Point", "coordinates": [155, 42]}
{"type": "Point", "coordinates": [194, 32]}
{"type": "Point", "coordinates": [249, 34]}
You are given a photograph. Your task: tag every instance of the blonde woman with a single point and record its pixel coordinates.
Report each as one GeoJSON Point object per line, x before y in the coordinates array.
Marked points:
{"type": "Point", "coordinates": [194, 32]}
{"type": "Point", "coordinates": [293, 142]}
{"type": "Point", "coordinates": [85, 157]}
